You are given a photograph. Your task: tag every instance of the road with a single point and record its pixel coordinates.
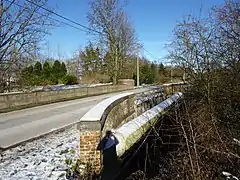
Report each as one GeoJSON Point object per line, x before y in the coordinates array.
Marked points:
{"type": "Point", "coordinates": [21, 125]}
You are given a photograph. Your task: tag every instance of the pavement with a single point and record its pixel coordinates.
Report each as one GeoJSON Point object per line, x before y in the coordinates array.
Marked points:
{"type": "Point", "coordinates": [22, 125]}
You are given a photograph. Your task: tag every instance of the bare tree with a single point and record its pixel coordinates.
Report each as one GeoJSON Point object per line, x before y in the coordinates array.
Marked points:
{"type": "Point", "coordinates": [208, 51]}
{"type": "Point", "coordinates": [116, 35]}
{"type": "Point", "coordinates": [22, 25]}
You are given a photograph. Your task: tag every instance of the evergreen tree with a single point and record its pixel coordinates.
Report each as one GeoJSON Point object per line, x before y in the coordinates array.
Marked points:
{"type": "Point", "coordinates": [91, 60]}
{"type": "Point", "coordinates": [29, 70]}
{"type": "Point", "coordinates": [70, 79]}
{"type": "Point", "coordinates": [56, 71]}
{"type": "Point", "coordinates": [161, 68]}
{"type": "Point", "coordinates": [27, 75]}
{"type": "Point", "coordinates": [63, 69]}
{"type": "Point", "coordinates": [153, 73]}
{"type": "Point", "coordinates": [145, 72]}
{"type": "Point", "coordinates": [37, 70]}
{"type": "Point", "coordinates": [46, 70]}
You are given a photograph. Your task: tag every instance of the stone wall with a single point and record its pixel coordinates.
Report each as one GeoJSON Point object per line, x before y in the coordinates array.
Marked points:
{"type": "Point", "coordinates": [121, 111]}
{"type": "Point", "coordinates": [13, 101]}
{"type": "Point", "coordinates": [128, 108]}
{"type": "Point", "coordinates": [90, 135]}
{"type": "Point", "coordinates": [174, 87]}
{"type": "Point", "coordinates": [88, 149]}
{"type": "Point", "coordinates": [129, 133]}
{"type": "Point", "coordinates": [129, 82]}
{"type": "Point", "coordinates": [112, 114]}
{"type": "Point", "coordinates": [92, 129]}
{"type": "Point", "coordinates": [148, 101]}
{"type": "Point", "coordinates": [117, 112]}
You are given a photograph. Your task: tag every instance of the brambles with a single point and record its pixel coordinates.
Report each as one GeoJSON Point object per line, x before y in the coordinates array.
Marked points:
{"type": "Point", "coordinates": [207, 122]}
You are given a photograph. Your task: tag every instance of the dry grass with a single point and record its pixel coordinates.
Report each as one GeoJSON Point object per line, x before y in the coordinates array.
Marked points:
{"type": "Point", "coordinates": [190, 145]}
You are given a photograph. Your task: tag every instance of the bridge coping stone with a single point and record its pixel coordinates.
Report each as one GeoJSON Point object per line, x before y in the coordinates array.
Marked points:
{"type": "Point", "coordinates": [96, 112]}
{"type": "Point", "coordinates": [130, 132]}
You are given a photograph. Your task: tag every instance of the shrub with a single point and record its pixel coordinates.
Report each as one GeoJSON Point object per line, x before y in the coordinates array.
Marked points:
{"type": "Point", "coordinates": [70, 80]}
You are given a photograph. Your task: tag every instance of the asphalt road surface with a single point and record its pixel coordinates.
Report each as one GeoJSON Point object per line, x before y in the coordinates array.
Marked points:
{"type": "Point", "coordinates": [21, 125]}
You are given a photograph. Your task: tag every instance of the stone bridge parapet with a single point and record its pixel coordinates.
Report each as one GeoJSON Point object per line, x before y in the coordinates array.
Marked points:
{"type": "Point", "coordinates": [116, 113]}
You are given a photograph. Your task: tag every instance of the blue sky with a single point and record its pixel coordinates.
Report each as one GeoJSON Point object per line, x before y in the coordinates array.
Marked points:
{"type": "Point", "coordinates": [153, 21]}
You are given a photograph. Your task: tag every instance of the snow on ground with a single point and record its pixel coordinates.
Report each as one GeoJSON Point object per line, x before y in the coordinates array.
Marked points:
{"type": "Point", "coordinates": [43, 158]}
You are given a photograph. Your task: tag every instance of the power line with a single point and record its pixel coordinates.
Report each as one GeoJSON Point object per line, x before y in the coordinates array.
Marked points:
{"type": "Point", "coordinates": [65, 18]}
{"type": "Point", "coordinates": [155, 57]}
{"type": "Point", "coordinates": [74, 22]}
{"type": "Point", "coordinates": [62, 22]}
{"type": "Point", "coordinates": [86, 29]}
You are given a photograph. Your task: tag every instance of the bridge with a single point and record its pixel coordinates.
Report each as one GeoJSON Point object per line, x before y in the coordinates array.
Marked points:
{"type": "Point", "coordinates": [26, 124]}
{"type": "Point", "coordinates": [99, 113]}
{"type": "Point", "coordinates": [128, 115]}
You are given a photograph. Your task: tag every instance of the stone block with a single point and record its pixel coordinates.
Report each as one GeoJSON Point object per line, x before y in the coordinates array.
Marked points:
{"type": "Point", "coordinates": [81, 92]}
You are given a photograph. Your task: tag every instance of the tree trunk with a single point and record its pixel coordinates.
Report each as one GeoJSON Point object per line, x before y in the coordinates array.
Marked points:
{"type": "Point", "coordinates": [115, 74]}
{"type": "Point", "coordinates": [1, 88]}
{"type": "Point", "coordinates": [114, 79]}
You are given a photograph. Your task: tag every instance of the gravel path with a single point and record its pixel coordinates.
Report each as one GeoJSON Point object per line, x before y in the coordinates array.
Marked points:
{"type": "Point", "coordinates": [43, 158]}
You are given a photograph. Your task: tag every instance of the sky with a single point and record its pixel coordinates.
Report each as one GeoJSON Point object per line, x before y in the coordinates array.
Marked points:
{"type": "Point", "coordinates": [153, 21]}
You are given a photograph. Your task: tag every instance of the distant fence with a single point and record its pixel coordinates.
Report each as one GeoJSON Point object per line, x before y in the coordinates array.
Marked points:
{"type": "Point", "coordinates": [13, 101]}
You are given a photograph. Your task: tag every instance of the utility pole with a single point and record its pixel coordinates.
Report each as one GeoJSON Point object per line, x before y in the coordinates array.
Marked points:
{"type": "Point", "coordinates": [79, 66]}
{"type": "Point", "coordinates": [1, 18]}
{"type": "Point", "coordinates": [137, 71]}
{"type": "Point", "coordinates": [171, 72]}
